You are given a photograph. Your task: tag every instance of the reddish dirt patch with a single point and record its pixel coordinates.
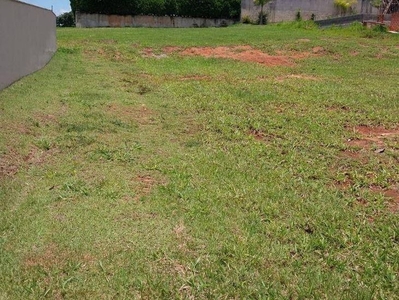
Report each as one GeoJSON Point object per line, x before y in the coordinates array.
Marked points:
{"type": "Point", "coordinates": [241, 53]}
{"type": "Point", "coordinates": [46, 119]}
{"type": "Point", "coordinates": [256, 134]}
{"type": "Point", "coordinates": [345, 182]}
{"type": "Point", "coordinates": [10, 163]}
{"type": "Point", "coordinates": [371, 136]}
{"type": "Point", "coordinates": [364, 143]}
{"type": "Point", "coordinates": [111, 54]}
{"type": "Point", "coordinates": [37, 156]}
{"type": "Point", "coordinates": [376, 131]}
{"type": "Point", "coordinates": [12, 160]}
{"type": "Point", "coordinates": [147, 182]}
{"type": "Point", "coordinates": [343, 185]}
{"type": "Point", "coordinates": [338, 108]}
{"type": "Point", "coordinates": [148, 52]}
{"type": "Point", "coordinates": [142, 114]}
{"type": "Point", "coordinates": [392, 194]}
{"type": "Point", "coordinates": [171, 49]}
{"type": "Point", "coordinates": [144, 185]}
{"type": "Point", "coordinates": [52, 256]}
{"type": "Point", "coordinates": [318, 50]}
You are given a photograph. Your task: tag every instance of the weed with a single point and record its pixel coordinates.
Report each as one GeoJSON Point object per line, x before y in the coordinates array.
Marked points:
{"type": "Point", "coordinates": [298, 16]}
{"type": "Point", "coordinates": [246, 19]}
{"type": "Point", "coordinates": [44, 144]}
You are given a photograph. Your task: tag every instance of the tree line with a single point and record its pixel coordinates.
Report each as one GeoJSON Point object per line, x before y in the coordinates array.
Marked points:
{"type": "Point", "coordinates": [183, 8]}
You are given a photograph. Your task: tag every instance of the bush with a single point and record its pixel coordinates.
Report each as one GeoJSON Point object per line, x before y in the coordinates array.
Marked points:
{"type": "Point", "coordinates": [262, 18]}
{"type": "Point", "coordinates": [380, 28]}
{"type": "Point", "coordinates": [298, 16]}
{"type": "Point", "coordinates": [344, 5]}
{"type": "Point", "coordinates": [312, 17]}
{"type": "Point", "coordinates": [246, 19]}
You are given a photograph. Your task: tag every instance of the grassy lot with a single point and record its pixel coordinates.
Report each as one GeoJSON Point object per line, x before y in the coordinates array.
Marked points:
{"type": "Point", "coordinates": [132, 171]}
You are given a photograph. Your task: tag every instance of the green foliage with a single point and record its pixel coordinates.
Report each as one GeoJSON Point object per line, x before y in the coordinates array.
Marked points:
{"type": "Point", "coordinates": [261, 2]}
{"type": "Point", "coordinates": [66, 20]}
{"type": "Point", "coordinates": [262, 18]}
{"type": "Point", "coordinates": [344, 5]}
{"type": "Point", "coordinates": [189, 8]}
{"type": "Point", "coordinates": [313, 17]}
{"type": "Point", "coordinates": [380, 28]}
{"type": "Point", "coordinates": [376, 3]}
{"type": "Point", "coordinates": [246, 19]}
{"type": "Point", "coordinates": [298, 16]}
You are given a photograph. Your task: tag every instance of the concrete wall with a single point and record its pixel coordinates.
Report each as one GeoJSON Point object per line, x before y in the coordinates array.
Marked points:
{"type": "Point", "coordinates": [285, 10]}
{"type": "Point", "coordinates": [97, 20]}
{"type": "Point", "coordinates": [27, 40]}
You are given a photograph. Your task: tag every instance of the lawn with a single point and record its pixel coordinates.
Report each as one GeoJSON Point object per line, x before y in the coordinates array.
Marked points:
{"type": "Point", "coordinates": [247, 162]}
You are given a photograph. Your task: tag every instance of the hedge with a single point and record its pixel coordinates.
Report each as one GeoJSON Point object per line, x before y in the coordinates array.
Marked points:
{"type": "Point", "coordinates": [185, 8]}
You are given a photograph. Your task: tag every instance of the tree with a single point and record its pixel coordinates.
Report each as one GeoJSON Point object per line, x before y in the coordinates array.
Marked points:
{"type": "Point", "coordinates": [66, 20]}
{"type": "Point", "coordinates": [261, 3]}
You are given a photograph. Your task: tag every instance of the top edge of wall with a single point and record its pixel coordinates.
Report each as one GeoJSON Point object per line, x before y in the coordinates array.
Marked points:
{"type": "Point", "coordinates": [31, 5]}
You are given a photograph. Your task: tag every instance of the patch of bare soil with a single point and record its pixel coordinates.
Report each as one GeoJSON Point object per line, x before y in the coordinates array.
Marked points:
{"type": "Point", "coordinates": [371, 136]}
{"type": "Point", "coordinates": [256, 134]}
{"type": "Point", "coordinates": [241, 53]}
{"type": "Point", "coordinates": [52, 256]}
{"type": "Point", "coordinates": [391, 194]}
{"type": "Point", "coordinates": [93, 54]}
{"type": "Point", "coordinates": [345, 183]}
{"type": "Point", "coordinates": [142, 114]}
{"type": "Point", "coordinates": [10, 163]}
{"type": "Point", "coordinates": [144, 184]}
{"type": "Point", "coordinates": [46, 119]}
{"type": "Point", "coordinates": [12, 160]}
{"type": "Point", "coordinates": [149, 53]}
{"type": "Point", "coordinates": [171, 49]}
{"type": "Point", "coordinates": [318, 50]}
{"type": "Point", "coordinates": [37, 156]}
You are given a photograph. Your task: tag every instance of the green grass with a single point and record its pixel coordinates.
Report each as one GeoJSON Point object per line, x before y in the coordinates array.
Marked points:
{"type": "Point", "coordinates": [128, 177]}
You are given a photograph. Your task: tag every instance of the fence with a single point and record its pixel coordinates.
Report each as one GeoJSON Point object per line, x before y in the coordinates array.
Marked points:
{"type": "Point", "coordinates": [287, 10]}
{"type": "Point", "coordinates": [99, 20]}
{"type": "Point", "coordinates": [27, 40]}
{"type": "Point", "coordinates": [394, 22]}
